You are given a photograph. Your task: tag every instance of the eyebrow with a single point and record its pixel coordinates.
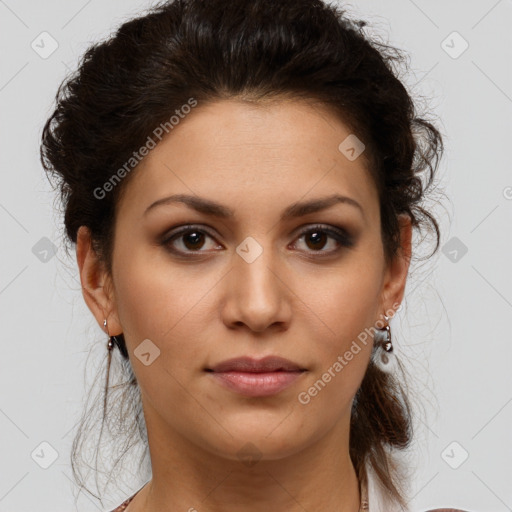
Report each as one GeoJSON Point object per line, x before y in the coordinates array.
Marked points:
{"type": "Point", "coordinates": [208, 207]}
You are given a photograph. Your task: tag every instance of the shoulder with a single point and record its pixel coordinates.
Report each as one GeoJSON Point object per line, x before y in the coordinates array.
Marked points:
{"type": "Point", "coordinates": [123, 505]}
{"type": "Point", "coordinates": [445, 510]}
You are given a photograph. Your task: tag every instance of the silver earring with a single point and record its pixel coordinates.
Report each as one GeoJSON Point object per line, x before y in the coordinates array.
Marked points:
{"type": "Point", "coordinates": [110, 342]}
{"type": "Point", "coordinates": [384, 356]}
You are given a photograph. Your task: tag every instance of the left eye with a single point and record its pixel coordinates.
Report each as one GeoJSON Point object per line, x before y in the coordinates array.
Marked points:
{"type": "Point", "coordinates": [317, 236]}
{"type": "Point", "coordinates": [193, 239]}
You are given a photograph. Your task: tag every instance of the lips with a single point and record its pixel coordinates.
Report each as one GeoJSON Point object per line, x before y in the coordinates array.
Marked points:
{"type": "Point", "coordinates": [251, 365]}
{"type": "Point", "coordinates": [256, 378]}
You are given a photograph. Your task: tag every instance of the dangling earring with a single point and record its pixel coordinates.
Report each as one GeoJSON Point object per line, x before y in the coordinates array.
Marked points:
{"type": "Point", "coordinates": [383, 356]}
{"type": "Point", "coordinates": [110, 342]}
{"type": "Point", "coordinates": [114, 341]}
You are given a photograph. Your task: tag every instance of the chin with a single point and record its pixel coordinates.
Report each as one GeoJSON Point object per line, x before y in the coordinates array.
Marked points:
{"type": "Point", "coordinates": [257, 442]}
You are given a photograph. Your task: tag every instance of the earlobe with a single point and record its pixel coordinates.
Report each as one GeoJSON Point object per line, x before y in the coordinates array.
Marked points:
{"type": "Point", "coordinates": [96, 288]}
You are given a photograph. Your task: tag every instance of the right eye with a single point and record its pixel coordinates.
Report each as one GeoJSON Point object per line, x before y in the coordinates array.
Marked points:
{"type": "Point", "coordinates": [190, 239]}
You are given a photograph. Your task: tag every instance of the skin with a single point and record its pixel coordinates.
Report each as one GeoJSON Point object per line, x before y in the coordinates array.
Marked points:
{"type": "Point", "coordinates": [290, 301]}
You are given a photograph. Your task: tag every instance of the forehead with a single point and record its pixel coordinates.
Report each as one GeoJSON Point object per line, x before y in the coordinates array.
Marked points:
{"type": "Point", "coordinates": [232, 150]}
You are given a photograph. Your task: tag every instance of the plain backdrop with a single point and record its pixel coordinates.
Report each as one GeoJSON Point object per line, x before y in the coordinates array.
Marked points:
{"type": "Point", "coordinates": [454, 329]}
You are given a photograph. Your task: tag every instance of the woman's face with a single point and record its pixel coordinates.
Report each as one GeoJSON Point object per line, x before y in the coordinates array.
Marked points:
{"type": "Point", "coordinates": [266, 278]}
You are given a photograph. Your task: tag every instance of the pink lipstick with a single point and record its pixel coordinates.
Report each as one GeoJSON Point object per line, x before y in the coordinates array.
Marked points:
{"type": "Point", "coordinates": [256, 377]}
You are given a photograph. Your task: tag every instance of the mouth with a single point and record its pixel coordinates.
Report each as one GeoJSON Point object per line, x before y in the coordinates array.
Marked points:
{"type": "Point", "coordinates": [253, 365]}
{"type": "Point", "coordinates": [256, 378]}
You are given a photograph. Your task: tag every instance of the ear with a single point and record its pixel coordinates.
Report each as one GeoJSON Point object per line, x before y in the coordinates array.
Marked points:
{"type": "Point", "coordinates": [397, 270]}
{"type": "Point", "coordinates": [97, 287]}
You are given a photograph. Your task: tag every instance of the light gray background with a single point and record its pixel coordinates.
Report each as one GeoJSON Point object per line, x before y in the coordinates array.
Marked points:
{"type": "Point", "coordinates": [454, 332]}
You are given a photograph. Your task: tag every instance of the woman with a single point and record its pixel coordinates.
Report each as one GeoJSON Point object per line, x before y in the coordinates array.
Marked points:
{"type": "Point", "coordinates": [241, 180]}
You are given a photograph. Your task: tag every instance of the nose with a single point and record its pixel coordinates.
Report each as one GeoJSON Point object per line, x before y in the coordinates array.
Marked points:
{"type": "Point", "coordinates": [256, 295]}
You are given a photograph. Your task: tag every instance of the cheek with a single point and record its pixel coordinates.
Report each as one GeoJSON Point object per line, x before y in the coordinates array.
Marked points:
{"type": "Point", "coordinates": [342, 357]}
{"type": "Point", "coordinates": [141, 299]}
{"type": "Point", "coordinates": [166, 304]}
{"type": "Point", "coordinates": [347, 301]}
{"type": "Point", "coordinates": [154, 303]}
{"type": "Point", "coordinates": [347, 304]}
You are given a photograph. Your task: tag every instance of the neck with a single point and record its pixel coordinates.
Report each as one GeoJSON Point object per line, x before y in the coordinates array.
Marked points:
{"type": "Point", "coordinates": [189, 478]}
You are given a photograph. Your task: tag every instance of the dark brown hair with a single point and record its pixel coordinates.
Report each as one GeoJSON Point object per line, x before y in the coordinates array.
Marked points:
{"type": "Point", "coordinates": [254, 50]}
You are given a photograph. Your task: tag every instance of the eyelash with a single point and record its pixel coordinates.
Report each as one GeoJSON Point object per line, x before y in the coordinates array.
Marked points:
{"type": "Point", "coordinates": [338, 234]}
